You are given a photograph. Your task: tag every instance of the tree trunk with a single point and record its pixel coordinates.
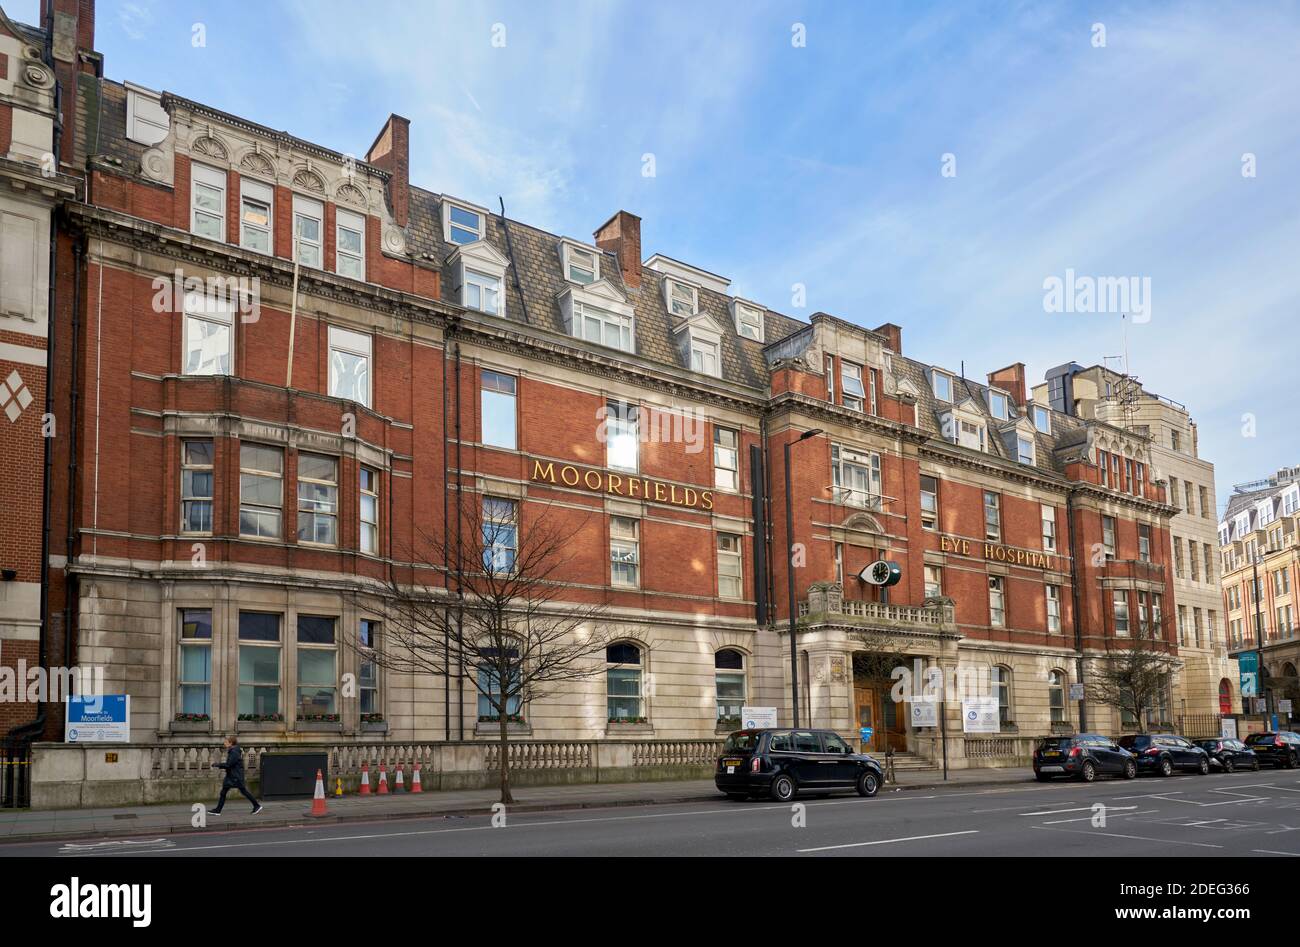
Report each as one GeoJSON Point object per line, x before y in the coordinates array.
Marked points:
{"type": "Point", "coordinates": [506, 798]}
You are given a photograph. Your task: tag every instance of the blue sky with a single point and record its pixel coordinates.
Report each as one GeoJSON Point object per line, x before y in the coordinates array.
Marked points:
{"type": "Point", "coordinates": [820, 164]}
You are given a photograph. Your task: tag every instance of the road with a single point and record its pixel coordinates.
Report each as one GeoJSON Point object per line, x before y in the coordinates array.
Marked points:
{"type": "Point", "coordinates": [1243, 814]}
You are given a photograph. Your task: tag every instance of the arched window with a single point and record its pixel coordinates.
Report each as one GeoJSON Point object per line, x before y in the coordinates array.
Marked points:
{"type": "Point", "coordinates": [623, 683]}
{"type": "Point", "coordinates": [1000, 679]}
{"type": "Point", "coordinates": [1225, 696]}
{"type": "Point", "coordinates": [729, 683]}
{"type": "Point", "coordinates": [1056, 695]}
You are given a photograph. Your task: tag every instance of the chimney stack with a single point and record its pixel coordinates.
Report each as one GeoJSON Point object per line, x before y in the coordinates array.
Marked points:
{"type": "Point", "coordinates": [894, 336]}
{"type": "Point", "coordinates": [392, 152]}
{"type": "Point", "coordinates": [1011, 380]}
{"type": "Point", "coordinates": [72, 33]}
{"type": "Point", "coordinates": [621, 235]}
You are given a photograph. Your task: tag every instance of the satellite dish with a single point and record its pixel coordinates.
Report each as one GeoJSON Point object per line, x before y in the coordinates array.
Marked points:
{"type": "Point", "coordinates": [882, 573]}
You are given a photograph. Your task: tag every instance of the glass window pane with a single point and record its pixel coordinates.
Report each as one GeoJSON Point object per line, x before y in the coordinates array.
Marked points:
{"type": "Point", "coordinates": [315, 630]}
{"type": "Point", "coordinates": [259, 626]}
{"type": "Point", "coordinates": [316, 666]}
{"type": "Point", "coordinates": [259, 665]}
{"type": "Point", "coordinates": [196, 663]}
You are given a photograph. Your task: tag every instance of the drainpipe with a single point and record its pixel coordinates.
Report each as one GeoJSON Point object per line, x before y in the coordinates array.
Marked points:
{"type": "Point", "coordinates": [446, 565]}
{"type": "Point", "coordinates": [1074, 597]}
{"type": "Point", "coordinates": [460, 567]}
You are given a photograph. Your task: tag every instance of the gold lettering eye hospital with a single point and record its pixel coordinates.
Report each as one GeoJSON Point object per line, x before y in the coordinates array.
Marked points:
{"type": "Point", "coordinates": [1008, 554]}
{"type": "Point", "coordinates": [637, 488]}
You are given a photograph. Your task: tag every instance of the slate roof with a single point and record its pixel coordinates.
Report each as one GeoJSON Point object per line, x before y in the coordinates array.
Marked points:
{"type": "Point", "coordinates": [537, 259]}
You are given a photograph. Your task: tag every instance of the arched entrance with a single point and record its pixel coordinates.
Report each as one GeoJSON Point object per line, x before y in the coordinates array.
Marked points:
{"type": "Point", "coordinates": [1225, 696]}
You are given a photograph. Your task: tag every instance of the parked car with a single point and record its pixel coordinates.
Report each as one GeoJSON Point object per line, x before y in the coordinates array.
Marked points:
{"type": "Point", "coordinates": [782, 763]}
{"type": "Point", "coordinates": [1165, 753]}
{"type": "Point", "coordinates": [1282, 748]}
{"type": "Point", "coordinates": [1083, 756]}
{"type": "Point", "coordinates": [1229, 754]}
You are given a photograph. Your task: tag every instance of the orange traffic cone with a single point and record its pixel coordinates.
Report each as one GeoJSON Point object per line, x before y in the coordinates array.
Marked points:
{"type": "Point", "coordinates": [318, 800]}
{"type": "Point", "coordinates": [383, 778]}
{"type": "Point", "coordinates": [365, 779]}
{"type": "Point", "coordinates": [401, 783]}
{"type": "Point", "coordinates": [415, 779]}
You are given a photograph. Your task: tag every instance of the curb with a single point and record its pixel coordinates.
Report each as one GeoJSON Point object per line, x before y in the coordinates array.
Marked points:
{"type": "Point", "coordinates": [306, 819]}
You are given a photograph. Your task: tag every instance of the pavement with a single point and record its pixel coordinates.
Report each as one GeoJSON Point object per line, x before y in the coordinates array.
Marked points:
{"type": "Point", "coordinates": [1185, 816]}
{"type": "Point", "coordinates": [178, 818]}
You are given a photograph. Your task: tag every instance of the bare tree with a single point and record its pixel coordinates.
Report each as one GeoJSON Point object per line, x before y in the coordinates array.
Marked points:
{"type": "Point", "coordinates": [1134, 679]}
{"type": "Point", "coordinates": [506, 612]}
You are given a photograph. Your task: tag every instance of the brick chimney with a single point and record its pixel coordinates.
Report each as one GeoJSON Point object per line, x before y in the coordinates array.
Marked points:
{"type": "Point", "coordinates": [894, 336]}
{"type": "Point", "coordinates": [621, 235]}
{"type": "Point", "coordinates": [72, 31]}
{"type": "Point", "coordinates": [1011, 380]}
{"type": "Point", "coordinates": [392, 152]}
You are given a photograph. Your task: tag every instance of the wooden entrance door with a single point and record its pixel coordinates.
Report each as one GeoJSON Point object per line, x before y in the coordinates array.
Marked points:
{"type": "Point", "coordinates": [887, 720]}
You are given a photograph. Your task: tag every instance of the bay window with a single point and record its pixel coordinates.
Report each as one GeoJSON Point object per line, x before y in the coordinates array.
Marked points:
{"type": "Point", "coordinates": [318, 499]}
{"type": "Point", "coordinates": [317, 668]}
{"type": "Point", "coordinates": [856, 477]}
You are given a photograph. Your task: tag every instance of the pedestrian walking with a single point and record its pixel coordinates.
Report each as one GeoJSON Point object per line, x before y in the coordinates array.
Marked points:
{"type": "Point", "coordinates": [234, 767]}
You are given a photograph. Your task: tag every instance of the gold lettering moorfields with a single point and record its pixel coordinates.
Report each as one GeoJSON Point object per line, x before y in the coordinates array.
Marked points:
{"type": "Point", "coordinates": [621, 485]}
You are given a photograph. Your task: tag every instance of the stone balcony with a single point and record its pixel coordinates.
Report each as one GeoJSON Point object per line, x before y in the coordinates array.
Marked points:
{"type": "Point", "coordinates": [826, 605]}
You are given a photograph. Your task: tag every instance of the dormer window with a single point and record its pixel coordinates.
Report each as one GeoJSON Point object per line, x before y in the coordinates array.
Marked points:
{"type": "Point", "coordinates": [462, 223]}
{"type": "Point", "coordinates": [942, 384]}
{"type": "Point", "coordinates": [580, 265]}
{"type": "Point", "coordinates": [1025, 450]}
{"type": "Point", "coordinates": [682, 298]}
{"type": "Point", "coordinates": [147, 122]}
{"type": "Point", "coordinates": [971, 434]}
{"type": "Point", "coordinates": [998, 405]}
{"type": "Point", "coordinates": [480, 271]}
{"type": "Point", "coordinates": [851, 383]}
{"type": "Point", "coordinates": [1042, 419]}
{"type": "Point", "coordinates": [704, 356]}
{"type": "Point", "coordinates": [749, 321]}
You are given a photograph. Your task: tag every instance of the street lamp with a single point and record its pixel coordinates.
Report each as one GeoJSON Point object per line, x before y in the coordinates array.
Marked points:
{"type": "Point", "coordinates": [789, 571]}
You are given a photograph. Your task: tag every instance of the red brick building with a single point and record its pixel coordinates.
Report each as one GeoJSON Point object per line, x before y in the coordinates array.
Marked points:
{"type": "Point", "coordinates": [287, 369]}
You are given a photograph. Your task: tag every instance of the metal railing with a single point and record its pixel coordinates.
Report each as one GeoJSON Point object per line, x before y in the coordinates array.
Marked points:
{"type": "Point", "coordinates": [15, 774]}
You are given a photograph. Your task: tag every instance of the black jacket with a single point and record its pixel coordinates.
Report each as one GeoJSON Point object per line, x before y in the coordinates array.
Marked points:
{"type": "Point", "coordinates": [234, 766]}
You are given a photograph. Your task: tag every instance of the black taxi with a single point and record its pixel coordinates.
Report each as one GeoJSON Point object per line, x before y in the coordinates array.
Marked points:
{"type": "Point", "coordinates": [781, 763]}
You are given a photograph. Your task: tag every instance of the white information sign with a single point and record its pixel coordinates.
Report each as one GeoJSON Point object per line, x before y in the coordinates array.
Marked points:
{"type": "Point", "coordinates": [980, 715]}
{"type": "Point", "coordinates": [758, 718]}
{"type": "Point", "coordinates": [925, 713]}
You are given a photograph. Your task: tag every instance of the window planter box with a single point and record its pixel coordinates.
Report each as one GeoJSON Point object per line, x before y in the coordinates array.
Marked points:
{"type": "Point", "coordinates": [260, 726]}
{"type": "Point", "coordinates": [191, 726]}
{"type": "Point", "coordinates": [492, 728]}
{"type": "Point", "coordinates": [619, 728]}
{"type": "Point", "coordinates": [374, 726]}
{"type": "Point", "coordinates": [318, 726]}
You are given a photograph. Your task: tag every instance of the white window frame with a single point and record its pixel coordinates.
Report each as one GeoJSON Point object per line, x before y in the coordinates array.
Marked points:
{"type": "Point", "coordinates": [623, 325]}
{"type": "Point", "coordinates": [202, 175]}
{"type": "Point", "coordinates": [257, 192]}
{"type": "Point", "coordinates": [731, 566]}
{"type": "Point", "coordinates": [332, 649]}
{"type": "Point", "coordinates": [976, 438]}
{"type": "Point", "coordinates": [147, 122]}
{"type": "Point", "coordinates": [449, 225]}
{"type": "Point", "coordinates": [346, 342]}
{"type": "Point", "coordinates": [1052, 598]}
{"type": "Point", "coordinates": [352, 222]}
{"type": "Point", "coordinates": [992, 528]}
{"type": "Point", "coordinates": [201, 308]}
{"type": "Point", "coordinates": [502, 390]}
{"type": "Point", "coordinates": [853, 393]}
{"type": "Point", "coordinates": [277, 508]}
{"type": "Point", "coordinates": [999, 404]}
{"type": "Point", "coordinates": [484, 283]}
{"type": "Point", "coordinates": [368, 495]}
{"type": "Point", "coordinates": [500, 522]}
{"type": "Point", "coordinates": [830, 379]}
{"type": "Point", "coordinates": [706, 355]}
{"type": "Point", "coordinates": [929, 518]}
{"type": "Point", "coordinates": [193, 643]}
{"type": "Point", "coordinates": [1045, 415]}
{"type": "Point", "coordinates": [306, 208]}
{"type": "Point", "coordinates": [1120, 609]}
{"type": "Point", "coordinates": [935, 376]}
{"type": "Point", "coordinates": [572, 259]}
{"type": "Point", "coordinates": [1048, 516]}
{"type": "Point", "coordinates": [313, 511]}
{"type": "Point", "coordinates": [749, 321]}
{"type": "Point", "coordinates": [997, 601]}
{"type": "Point", "coordinates": [1021, 443]}
{"type": "Point", "coordinates": [672, 298]}
{"type": "Point", "coordinates": [622, 426]}
{"type": "Point", "coordinates": [726, 476]}
{"type": "Point", "coordinates": [844, 458]}
{"type": "Point", "coordinates": [188, 496]}
{"type": "Point", "coordinates": [932, 586]}
{"type": "Point", "coordinates": [1108, 535]}
{"type": "Point", "coordinates": [624, 552]}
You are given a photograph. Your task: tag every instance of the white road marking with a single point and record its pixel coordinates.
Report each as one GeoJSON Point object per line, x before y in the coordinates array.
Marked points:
{"type": "Point", "coordinates": [1265, 851]}
{"type": "Point", "coordinates": [1109, 814]}
{"type": "Point", "coordinates": [1084, 809]}
{"type": "Point", "coordinates": [1140, 838]}
{"type": "Point", "coordinates": [888, 841]}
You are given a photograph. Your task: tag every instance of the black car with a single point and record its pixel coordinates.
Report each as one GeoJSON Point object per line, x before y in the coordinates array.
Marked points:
{"type": "Point", "coordinates": [1165, 753]}
{"type": "Point", "coordinates": [1282, 748]}
{"type": "Point", "coordinates": [1228, 754]}
{"type": "Point", "coordinates": [782, 763]}
{"type": "Point", "coordinates": [1084, 756]}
